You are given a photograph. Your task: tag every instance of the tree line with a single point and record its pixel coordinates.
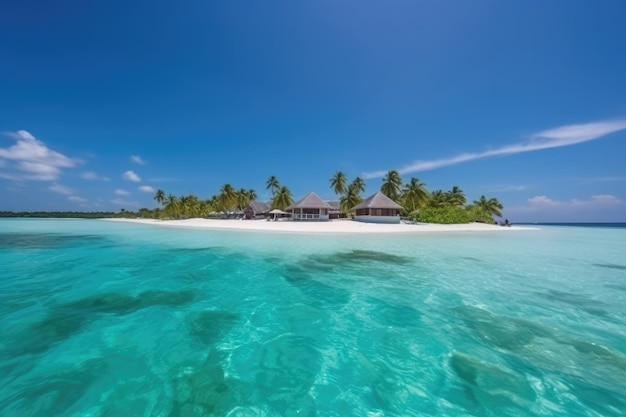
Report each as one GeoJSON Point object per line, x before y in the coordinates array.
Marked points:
{"type": "Point", "coordinates": [417, 202]}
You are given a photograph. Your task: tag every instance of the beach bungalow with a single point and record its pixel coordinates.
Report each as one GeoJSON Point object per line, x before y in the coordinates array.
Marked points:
{"type": "Point", "coordinates": [378, 208]}
{"type": "Point", "coordinates": [257, 210]}
{"type": "Point", "coordinates": [311, 207]}
{"type": "Point", "coordinates": [335, 212]}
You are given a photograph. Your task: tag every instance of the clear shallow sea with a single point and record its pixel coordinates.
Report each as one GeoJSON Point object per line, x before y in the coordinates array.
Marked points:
{"type": "Point", "coordinates": [109, 319]}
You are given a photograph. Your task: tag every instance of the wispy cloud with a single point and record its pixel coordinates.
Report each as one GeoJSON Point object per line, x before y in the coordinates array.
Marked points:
{"type": "Point", "coordinates": [542, 201]}
{"type": "Point", "coordinates": [61, 189]}
{"type": "Point", "coordinates": [76, 199]}
{"type": "Point", "coordinates": [70, 193]}
{"type": "Point", "coordinates": [137, 159]}
{"type": "Point", "coordinates": [131, 176]}
{"type": "Point", "coordinates": [552, 138]}
{"type": "Point", "coordinates": [165, 179]}
{"type": "Point", "coordinates": [505, 188]}
{"type": "Point", "coordinates": [119, 191]}
{"type": "Point", "coordinates": [31, 159]}
{"type": "Point", "coordinates": [90, 175]}
{"type": "Point", "coordinates": [601, 179]}
{"type": "Point", "coordinates": [122, 202]}
{"type": "Point", "coordinates": [146, 189]}
{"type": "Point", "coordinates": [543, 208]}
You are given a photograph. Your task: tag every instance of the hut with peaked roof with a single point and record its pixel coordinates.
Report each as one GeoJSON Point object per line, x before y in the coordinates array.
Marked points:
{"type": "Point", "coordinates": [257, 210]}
{"type": "Point", "coordinates": [335, 211]}
{"type": "Point", "coordinates": [311, 207]}
{"type": "Point", "coordinates": [378, 208]}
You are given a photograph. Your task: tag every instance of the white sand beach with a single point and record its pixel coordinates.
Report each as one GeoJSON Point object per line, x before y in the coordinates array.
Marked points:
{"type": "Point", "coordinates": [334, 226]}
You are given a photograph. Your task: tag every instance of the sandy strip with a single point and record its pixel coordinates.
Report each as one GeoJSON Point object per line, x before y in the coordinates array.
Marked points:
{"type": "Point", "coordinates": [334, 226]}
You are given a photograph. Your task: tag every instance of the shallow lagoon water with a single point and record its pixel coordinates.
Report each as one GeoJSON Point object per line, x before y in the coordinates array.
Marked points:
{"type": "Point", "coordinates": [110, 319]}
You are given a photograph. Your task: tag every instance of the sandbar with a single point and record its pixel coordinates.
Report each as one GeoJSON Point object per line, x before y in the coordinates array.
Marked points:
{"type": "Point", "coordinates": [333, 226]}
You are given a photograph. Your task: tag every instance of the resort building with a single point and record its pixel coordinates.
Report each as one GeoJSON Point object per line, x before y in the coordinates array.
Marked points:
{"type": "Point", "coordinates": [311, 207]}
{"type": "Point", "coordinates": [257, 210]}
{"type": "Point", "coordinates": [378, 208]}
{"type": "Point", "coordinates": [335, 211]}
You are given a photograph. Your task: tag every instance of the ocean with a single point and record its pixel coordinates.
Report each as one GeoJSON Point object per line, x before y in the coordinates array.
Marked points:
{"type": "Point", "coordinates": [102, 318]}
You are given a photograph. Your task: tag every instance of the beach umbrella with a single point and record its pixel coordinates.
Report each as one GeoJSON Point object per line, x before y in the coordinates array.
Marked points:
{"type": "Point", "coordinates": [277, 211]}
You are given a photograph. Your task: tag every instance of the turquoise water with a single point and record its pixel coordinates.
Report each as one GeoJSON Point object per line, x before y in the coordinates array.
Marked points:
{"type": "Point", "coordinates": [110, 319]}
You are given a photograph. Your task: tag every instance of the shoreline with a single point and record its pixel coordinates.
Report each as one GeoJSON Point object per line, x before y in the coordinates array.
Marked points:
{"type": "Point", "coordinates": [329, 227]}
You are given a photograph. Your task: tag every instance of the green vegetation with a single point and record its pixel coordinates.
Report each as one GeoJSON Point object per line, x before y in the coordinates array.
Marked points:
{"type": "Point", "coordinates": [282, 199]}
{"type": "Point", "coordinates": [447, 207]}
{"type": "Point", "coordinates": [414, 195]}
{"type": "Point", "coordinates": [339, 183]}
{"type": "Point", "coordinates": [349, 194]}
{"type": "Point", "coordinates": [444, 207]}
{"type": "Point", "coordinates": [273, 185]}
{"type": "Point", "coordinates": [442, 215]}
{"type": "Point", "coordinates": [391, 185]}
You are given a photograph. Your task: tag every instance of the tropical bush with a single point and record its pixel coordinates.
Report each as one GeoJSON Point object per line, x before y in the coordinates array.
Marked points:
{"type": "Point", "coordinates": [442, 215]}
{"type": "Point", "coordinates": [479, 214]}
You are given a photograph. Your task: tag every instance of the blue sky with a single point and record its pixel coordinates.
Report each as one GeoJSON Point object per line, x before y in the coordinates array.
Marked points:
{"type": "Point", "coordinates": [103, 102]}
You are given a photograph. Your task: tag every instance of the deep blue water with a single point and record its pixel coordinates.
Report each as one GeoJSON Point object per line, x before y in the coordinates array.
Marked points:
{"type": "Point", "coordinates": [108, 319]}
{"type": "Point", "coordinates": [603, 225]}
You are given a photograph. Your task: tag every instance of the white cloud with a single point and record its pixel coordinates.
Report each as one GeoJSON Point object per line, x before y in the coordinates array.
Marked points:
{"type": "Point", "coordinates": [32, 159]}
{"type": "Point", "coordinates": [131, 176]}
{"type": "Point", "coordinates": [90, 175]}
{"type": "Point", "coordinates": [76, 199]}
{"type": "Point", "coordinates": [146, 189]}
{"type": "Point", "coordinates": [542, 201]}
{"type": "Point", "coordinates": [552, 138]}
{"type": "Point", "coordinates": [137, 159]}
{"type": "Point", "coordinates": [119, 191]}
{"type": "Point", "coordinates": [61, 189]}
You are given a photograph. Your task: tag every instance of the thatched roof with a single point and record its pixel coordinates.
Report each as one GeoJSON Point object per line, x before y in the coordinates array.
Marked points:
{"type": "Point", "coordinates": [334, 204]}
{"type": "Point", "coordinates": [310, 201]}
{"type": "Point", "coordinates": [378, 200]}
{"type": "Point", "coordinates": [259, 207]}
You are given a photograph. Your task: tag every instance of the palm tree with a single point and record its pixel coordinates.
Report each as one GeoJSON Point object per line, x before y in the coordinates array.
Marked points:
{"type": "Point", "coordinates": [160, 196]}
{"type": "Point", "coordinates": [438, 199]}
{"type": "Point", "coordinates": [227, 198]}
{"type": "Point", "coordinates": [351, 199]}
{"type": "Point", "coordinates": [338, 183]}
{"type": "Point", "coordinates": [252, 194]}
{"type": "Point", "coordinates": [189, 205]}
{"type": "Point", "coordinates": [359, 184]}
{"type": "Point", "coordinates": [282, 199]}
{"type": "Point", "coordinates": [491, 207]}
{"type": "Point", "coordinates": [414, 195]}
{"type": "Point", "coordinates": [243, 198]}
{"type": "Point", "coordinates": [171, 206]}
{"type": "Point", "coordinates": [205, 208]}
{"type": "Point", "coordinates": [391, 185]}
{"type": "Point", "coordinates": [457, 197]}
{"type": "Point", "coordinates": [273, 185]}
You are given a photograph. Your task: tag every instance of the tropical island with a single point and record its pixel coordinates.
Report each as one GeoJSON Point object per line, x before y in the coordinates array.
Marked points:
{"type": "Point", "coordinates": [411, 201]}
{"type": "Point", "coordinates": [415, 202]}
